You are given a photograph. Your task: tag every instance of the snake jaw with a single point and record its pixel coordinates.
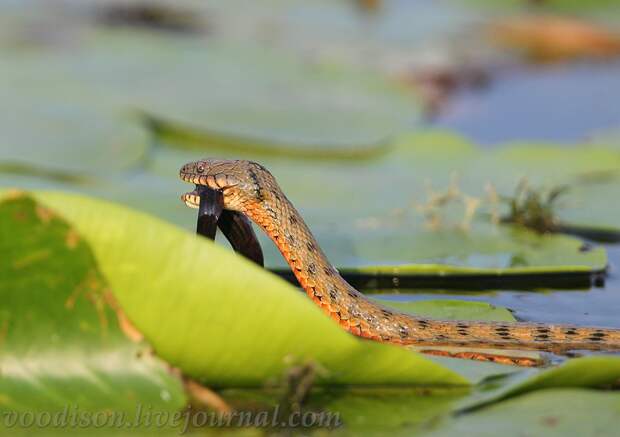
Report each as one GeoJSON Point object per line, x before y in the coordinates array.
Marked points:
{"type": "Point", "coordinates": [192, 198]}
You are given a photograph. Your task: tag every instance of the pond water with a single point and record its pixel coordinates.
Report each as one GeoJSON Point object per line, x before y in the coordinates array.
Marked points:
{"type": "Point", "coordinates": [562, 103]}
{"type": "Point", "coordinates": [599, 306]}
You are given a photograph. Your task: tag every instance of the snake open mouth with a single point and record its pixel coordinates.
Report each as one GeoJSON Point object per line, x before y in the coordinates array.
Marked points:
{"type": "Point", "coordinates": [211, 215]}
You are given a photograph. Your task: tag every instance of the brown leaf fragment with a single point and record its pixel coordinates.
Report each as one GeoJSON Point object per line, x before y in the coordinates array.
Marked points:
{"type": "Point", "coordinates": [206, 397]}
{"type": "Point", "coordinates": [553, 39]}
{"type": "Point", "coordinates": [128, 328]}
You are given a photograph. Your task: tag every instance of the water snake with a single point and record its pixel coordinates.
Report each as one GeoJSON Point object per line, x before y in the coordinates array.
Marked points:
{"type": "Point", "coordinates": [249, 190]}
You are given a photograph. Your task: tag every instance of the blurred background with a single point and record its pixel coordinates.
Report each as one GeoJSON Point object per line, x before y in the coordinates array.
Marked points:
{"type": "Point", "coordinates": [406, 132]}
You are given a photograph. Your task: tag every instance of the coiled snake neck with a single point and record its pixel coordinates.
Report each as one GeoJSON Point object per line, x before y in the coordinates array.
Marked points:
{"type": "Point", "coordinates": [248, 188]}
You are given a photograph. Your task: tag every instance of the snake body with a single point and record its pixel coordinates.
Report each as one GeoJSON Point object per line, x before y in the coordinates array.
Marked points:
{"type": "Point", "coordinates": [251, 190]}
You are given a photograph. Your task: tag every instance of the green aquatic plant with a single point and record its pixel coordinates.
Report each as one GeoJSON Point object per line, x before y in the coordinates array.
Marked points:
{"type": "Point", "coordinates": [533, 208]}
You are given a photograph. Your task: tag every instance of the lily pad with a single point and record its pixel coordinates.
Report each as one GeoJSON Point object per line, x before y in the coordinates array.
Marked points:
{"type": "Point", "coordinates": [52, 123]}
{"type": "Point", "coordinates": [557, 412]}
{"type": "Point", "coordinates": [586, 372]}
{"type": "Point", "coordinates": [59, 335]}
{"type": "Point", "coordinates": [453, 309]}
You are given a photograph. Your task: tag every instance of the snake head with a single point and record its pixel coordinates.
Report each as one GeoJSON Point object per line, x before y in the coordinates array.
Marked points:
{"type": "Point", "coordinates": [240, 181]}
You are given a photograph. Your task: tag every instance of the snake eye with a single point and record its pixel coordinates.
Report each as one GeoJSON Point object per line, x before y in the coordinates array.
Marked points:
{"type": "Point", "coordinates": [200, 168]}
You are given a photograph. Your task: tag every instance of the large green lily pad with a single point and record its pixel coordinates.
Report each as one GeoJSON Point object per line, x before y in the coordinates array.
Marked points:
{"type": "Point", "coordinates": [53, 123]}
{"type": "Point", "coordinates": [60, 340]}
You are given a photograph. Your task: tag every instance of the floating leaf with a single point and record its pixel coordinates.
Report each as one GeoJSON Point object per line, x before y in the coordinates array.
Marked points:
{"type": "Point", "coordinates": [453, 309]}
{"type": "Point", "coordinates": [60, 338]}
{"type": "Point", "coordinates": [557, 412]}
{"type": "Point", "coordinates": [586, 372]}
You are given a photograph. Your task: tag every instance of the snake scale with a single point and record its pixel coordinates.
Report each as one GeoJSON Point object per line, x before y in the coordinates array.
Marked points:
{"type": "Point", "coordinates": [251, 190]}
